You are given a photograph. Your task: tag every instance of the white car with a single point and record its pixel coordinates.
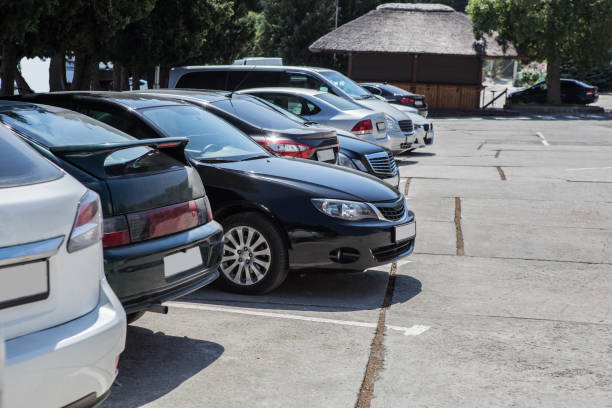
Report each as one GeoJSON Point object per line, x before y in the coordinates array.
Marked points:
{"type": "Point", "coordinates": [63, 326]}
{"type": "Point", "coordinates": [329, 110]}
{"type": "Point", "coordinates": [423, 128]}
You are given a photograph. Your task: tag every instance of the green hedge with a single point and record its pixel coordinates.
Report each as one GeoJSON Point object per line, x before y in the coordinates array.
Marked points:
{"type": "Point", "coordinates": [601, 78]}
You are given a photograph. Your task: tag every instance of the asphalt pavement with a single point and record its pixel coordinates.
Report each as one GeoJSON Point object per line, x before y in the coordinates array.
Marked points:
{"type": "Point", "coordinates": [506, 302]}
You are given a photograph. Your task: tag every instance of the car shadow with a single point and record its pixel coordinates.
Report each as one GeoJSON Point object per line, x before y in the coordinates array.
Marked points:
{"type": "Point", "coordinates": [318, 291]}
{"type": "Point", "coordinates": [153, 364]}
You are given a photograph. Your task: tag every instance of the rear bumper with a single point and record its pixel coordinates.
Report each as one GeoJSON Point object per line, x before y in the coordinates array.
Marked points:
{"type": "Point", "coordinates": [67, 363]}
{"type": "Point", "coordinates": [137, 272]}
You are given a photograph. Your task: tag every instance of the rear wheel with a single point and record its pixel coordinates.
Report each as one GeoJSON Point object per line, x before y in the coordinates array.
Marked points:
{"type": "Point", "coordinates": [255, 259]}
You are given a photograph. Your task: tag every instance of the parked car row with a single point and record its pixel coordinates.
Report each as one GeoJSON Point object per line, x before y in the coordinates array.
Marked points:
{"type": "Point", "coordinates": [120, 201]}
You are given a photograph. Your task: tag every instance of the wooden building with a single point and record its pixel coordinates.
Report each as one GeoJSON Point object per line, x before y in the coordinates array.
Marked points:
{"type": "Point", "coordinates": [424, 48]}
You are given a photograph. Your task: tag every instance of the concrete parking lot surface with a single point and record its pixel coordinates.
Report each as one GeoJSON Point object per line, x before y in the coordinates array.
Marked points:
{"type": "Point", "coordinates": [507, 301]}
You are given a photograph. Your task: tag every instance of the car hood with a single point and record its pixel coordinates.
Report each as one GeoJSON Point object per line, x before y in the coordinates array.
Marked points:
{"type": "Point", "coordinates": [318, 179]}
{"type": "Point", "coordinates": [357, 146]}
{"type": "Point", "coordinates": [381, 106]}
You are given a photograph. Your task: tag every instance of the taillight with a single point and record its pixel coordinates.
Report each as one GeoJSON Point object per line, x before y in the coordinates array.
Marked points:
{"type": "Point", "coordinates": [155, 223]}
{"type": "Point", "coordinates": [363, 127]}
{"type": "Point", "coordinates": [289, 148]}
{"type": "Point", "coordinates": [87, 228]}
{"type": "Point", "coordinates": [590, 91]}
{"type": "Point", "coordinates": [407, 101]}
{"type": "Point", "coordinates": [116, 232]}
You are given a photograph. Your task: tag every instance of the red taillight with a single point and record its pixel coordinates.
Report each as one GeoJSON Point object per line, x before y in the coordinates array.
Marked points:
{"type": "Point", "coordinates": [336, 148]}
{"type": "Point", "coordinates": [289, 148]}
{"type": "Point", "coordinates": [155, 223]}
{"type": "Point", "coordinates": [407, 101]}
{"type": "Point", "coordinates": [590, 91]}
{"type": "Point", "coordinates": [363, 127]}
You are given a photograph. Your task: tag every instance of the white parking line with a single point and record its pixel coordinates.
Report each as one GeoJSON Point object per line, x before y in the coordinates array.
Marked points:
{"type": "Point", "coordinates": [415, 330]}
{"type": "Point", "coordinates": [589, 168]}
{"type": "Point", "coordinates": [542, 138]}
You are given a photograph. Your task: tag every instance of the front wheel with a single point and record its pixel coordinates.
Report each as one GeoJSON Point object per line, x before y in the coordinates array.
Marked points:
{"type": "Point", "coordinates": [255, 259]}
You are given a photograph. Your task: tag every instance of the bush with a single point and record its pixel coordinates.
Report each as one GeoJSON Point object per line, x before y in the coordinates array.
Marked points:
{"type": "Point", "coordinates": [528, 77]}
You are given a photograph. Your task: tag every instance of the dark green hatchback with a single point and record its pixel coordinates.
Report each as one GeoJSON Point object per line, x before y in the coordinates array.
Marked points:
{"type": "Point", "coordinates": [160, 241]}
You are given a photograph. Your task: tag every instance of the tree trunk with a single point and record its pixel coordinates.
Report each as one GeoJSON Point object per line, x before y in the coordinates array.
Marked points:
{"type": "Point", "coordinates": [22, 85]}
{"type": "Point", "coordinates": [80, 80]}
{"type": "Point", "coordinates": [553, 83]}
{"type": "Point", "coordinates": [9, 66]}
{"type": "Point", "coordinates": [57, 72]}
{"type": "Point", "coordinates": [125, 81]}
{"type": "Point", "coordinates": [116, 76]}
{"type": "Point", "coordinates": [135, 80]}
{"type": "Point", "coordinates": [150, 78]}
{"type": "Point", "coordinates": [94, 75]}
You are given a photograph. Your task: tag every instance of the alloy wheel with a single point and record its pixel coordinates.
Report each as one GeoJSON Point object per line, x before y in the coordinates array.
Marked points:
{"type": "Point", "coordinates": [246, 256]}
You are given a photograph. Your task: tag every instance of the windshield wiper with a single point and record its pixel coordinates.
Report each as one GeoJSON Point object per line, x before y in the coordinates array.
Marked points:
{"type": "Point", "coordinates": [310, 122]}
{"type": "Point", "coordinates": [260, 156]}
{"type": "Point", "coordinates": [214, 160]}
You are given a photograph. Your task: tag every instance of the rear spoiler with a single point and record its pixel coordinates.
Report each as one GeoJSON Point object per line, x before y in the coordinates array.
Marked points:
{"type": "Point", "coordinates": [92, 157]}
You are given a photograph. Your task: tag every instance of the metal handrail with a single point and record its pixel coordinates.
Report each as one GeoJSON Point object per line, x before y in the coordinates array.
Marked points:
{"type": "Point", "coordinates": [505, 91]}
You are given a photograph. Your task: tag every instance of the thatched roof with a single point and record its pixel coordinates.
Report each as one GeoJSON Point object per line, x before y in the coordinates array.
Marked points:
{"type": "Point", "coordinates": [412, 29]}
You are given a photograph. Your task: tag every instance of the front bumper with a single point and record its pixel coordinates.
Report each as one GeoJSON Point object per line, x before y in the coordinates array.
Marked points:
{"type": "Point", "coordinates": [424, 135]}
{"type": "Point", "coordinates": [334, 244]}
{"type": "Point", "coordinates": [137, 272]}
{"type": "Point", "coordinates": [64, 364]}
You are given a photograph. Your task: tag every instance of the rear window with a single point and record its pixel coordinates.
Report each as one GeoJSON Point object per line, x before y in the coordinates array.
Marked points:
{"type": "Point", "coordinates": [394, 90]}
{"type": "Point", "coordinates": [20, 165]}
{"type": "Point", "coordinates": [256, 113]}
{"type": "Point", "coordinates": [336, 101]}
{"type": "Point", "coordinates": [203, 80]}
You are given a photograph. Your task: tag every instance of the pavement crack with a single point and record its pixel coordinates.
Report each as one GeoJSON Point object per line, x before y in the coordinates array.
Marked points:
{"type": "Point", "coordinates": [497, 153]}
{"type": "Point", "coordinates": [458, 230]}
{"type": "Point", "coordinates": [480, 145]}
{"type": "Point", "coordinates": [502, 175]}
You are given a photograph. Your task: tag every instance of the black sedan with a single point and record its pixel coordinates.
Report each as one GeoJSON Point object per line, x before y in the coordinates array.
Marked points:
{"type": "Point", "coordinates": [398, 96]}
{"type": "Point", "coordinates": [572, 92]}
{"type": "Point", "coordinates": [159, 243]}
{"type": "Point", "coordinates": [277, 213]}
{"type": "Point", "coordinates": [264, 121]}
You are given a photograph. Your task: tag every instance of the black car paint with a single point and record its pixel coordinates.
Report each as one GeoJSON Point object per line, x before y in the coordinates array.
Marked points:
{"type": "Point", "coordinates": [136, 271]}
{"type": "Point", "coordinates": [282, 189]}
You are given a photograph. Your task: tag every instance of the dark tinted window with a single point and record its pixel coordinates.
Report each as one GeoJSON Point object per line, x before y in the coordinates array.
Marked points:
{"type": "Point", "coordinates": [373, 89]}
{"type": "Point", "coordinates": [131, 125]}
{"type": "Point", "coordinates": [256, 113]}
{"type": "Point", "coordinates": [299, 80]}
{"type": "Point", "coordinates": [260, 79]}
{"type": "Point", "coordinates": [21, 165]}
{"type": "Point", "coordinates": [203, 80]}
{"type": "Point", "coordinates": [393, 90]}
{"type": "Point", "coordinates": [209, 136]}
{"type": "Point", "coordinates": [292, 103]}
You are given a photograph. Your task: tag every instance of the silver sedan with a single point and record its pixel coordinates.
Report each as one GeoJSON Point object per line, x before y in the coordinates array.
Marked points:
{"type": "Point", "coordinates": [330, 110]}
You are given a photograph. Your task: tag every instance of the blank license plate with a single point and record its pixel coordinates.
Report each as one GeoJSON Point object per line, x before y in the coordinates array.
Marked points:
{"type": "Point", "coordinates": [326, 155]}
{"type": "Point", "coordinates": [182, 261]}
{"type": "Point", "coordinates": [418, 103]}
{"type": "Point", "coordinates": [405, 231]}
{"type": "Point", "coordinates": [23, 283]}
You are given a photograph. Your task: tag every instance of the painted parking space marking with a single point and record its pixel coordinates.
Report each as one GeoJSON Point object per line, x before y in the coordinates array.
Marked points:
{"type": "Point", "coordinates": [589, 168]}
{"type": "Point", "coordinates": [542, 138]}
{"type": "Point", "coordinates": [414, 330]}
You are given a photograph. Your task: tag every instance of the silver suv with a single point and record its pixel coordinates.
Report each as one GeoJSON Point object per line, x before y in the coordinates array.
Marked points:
{"type": "Point", "coordinates": [235, 77]}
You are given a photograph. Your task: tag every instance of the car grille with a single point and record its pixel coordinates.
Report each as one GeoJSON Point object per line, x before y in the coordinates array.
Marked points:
{"type": "Point", "coordinates": [406, 125]}
{"type": "Point", "coordinates": [393, 211]}
{"type": "Point", "coordinates": [390, 252]}
{"type": "Point", "coordinates": [383, 163]}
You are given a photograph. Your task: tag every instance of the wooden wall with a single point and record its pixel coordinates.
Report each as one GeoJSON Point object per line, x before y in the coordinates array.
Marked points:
{"type": "Point", "coordinates": [448, 82]}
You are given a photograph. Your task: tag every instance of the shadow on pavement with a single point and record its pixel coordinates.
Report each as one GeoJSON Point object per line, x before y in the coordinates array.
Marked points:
{"type": "Point", "coordinates": [318, 291]}
{"type": "Point", "coordinates": [153, 364]}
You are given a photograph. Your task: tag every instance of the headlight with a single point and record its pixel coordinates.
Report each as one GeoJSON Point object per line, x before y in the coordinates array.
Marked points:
{"type": "Point", "coordinates": [345, 161]}
{"type": "Point", "coordinates": [391, 123]}
{"type": "Point", "coordinates": [347, 210]}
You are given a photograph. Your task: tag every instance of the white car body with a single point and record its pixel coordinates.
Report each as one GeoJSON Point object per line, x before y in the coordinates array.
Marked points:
{"type": "Point", "coordinates": [423, 128]}
{"type": "Point", "coordinates": [63, 325]}
{"type": "Point", "coordinates": [330, 111]}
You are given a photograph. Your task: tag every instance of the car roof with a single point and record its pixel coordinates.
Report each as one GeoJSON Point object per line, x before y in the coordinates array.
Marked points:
{"type": "Point", "coordinates": [131, 100]}
{"type": "Point", "coordinates": [202, 94]}
{"type": "Point", "coordinates": [252, 67]}
{"type": "Point", "coordinates": [6, 105]}
{"type": "Point", "coordinates": [288, 90]}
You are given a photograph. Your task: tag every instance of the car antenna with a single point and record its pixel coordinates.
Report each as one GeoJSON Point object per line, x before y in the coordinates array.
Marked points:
{"type": "Point", "coordinates": [240, 83]}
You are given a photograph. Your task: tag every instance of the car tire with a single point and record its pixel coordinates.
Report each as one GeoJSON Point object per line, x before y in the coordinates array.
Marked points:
{"type": "Point", "coordinates": [132, 317]}
{"type": "Point", "coordinates": [255, 259]}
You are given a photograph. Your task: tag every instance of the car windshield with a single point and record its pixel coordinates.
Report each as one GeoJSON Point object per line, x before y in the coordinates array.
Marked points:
{"type": "Point", "coordinates": [210, 137]}
{"type": "Point", "coordinates": [347, 85]}
{"type": "Point", "coordinates": [21, 165]}
{"type": "Point", "coordinates": [257, 113]}
{"type": "Point", "coordinates": [337, 102]}
{"type": "Point", "coordinates": [67, 128]}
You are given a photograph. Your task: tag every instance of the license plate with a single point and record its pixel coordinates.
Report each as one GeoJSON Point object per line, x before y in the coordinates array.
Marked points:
{"type": "Point", "coordinates": [23, 283]}
{"type": "Point", "coordinates": [326, 155]}
{"type": "Point", "coordinates": [418, 103]}
{"type": "Point", "coordinates": [182, 261]}
{"type": "Point", "coordinates": [405, 231]}
{"type": "Point", "coordinates": [381, 126]}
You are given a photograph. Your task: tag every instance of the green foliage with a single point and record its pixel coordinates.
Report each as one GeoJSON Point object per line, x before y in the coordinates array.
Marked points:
{"type": "Point", "coordinates": [528, 77]}
{"type": "Point", "coordinates": [578, 30]}
{"type": "Point", "coordinates": [600, 77]}
{"type": "Point", "coordinates": [20, 18]}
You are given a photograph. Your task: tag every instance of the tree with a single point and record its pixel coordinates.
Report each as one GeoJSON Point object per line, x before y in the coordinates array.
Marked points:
{"type": "Point", "coordinates": [19, 20]}
{"type": "Point", "coordinates": [551, 30]}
